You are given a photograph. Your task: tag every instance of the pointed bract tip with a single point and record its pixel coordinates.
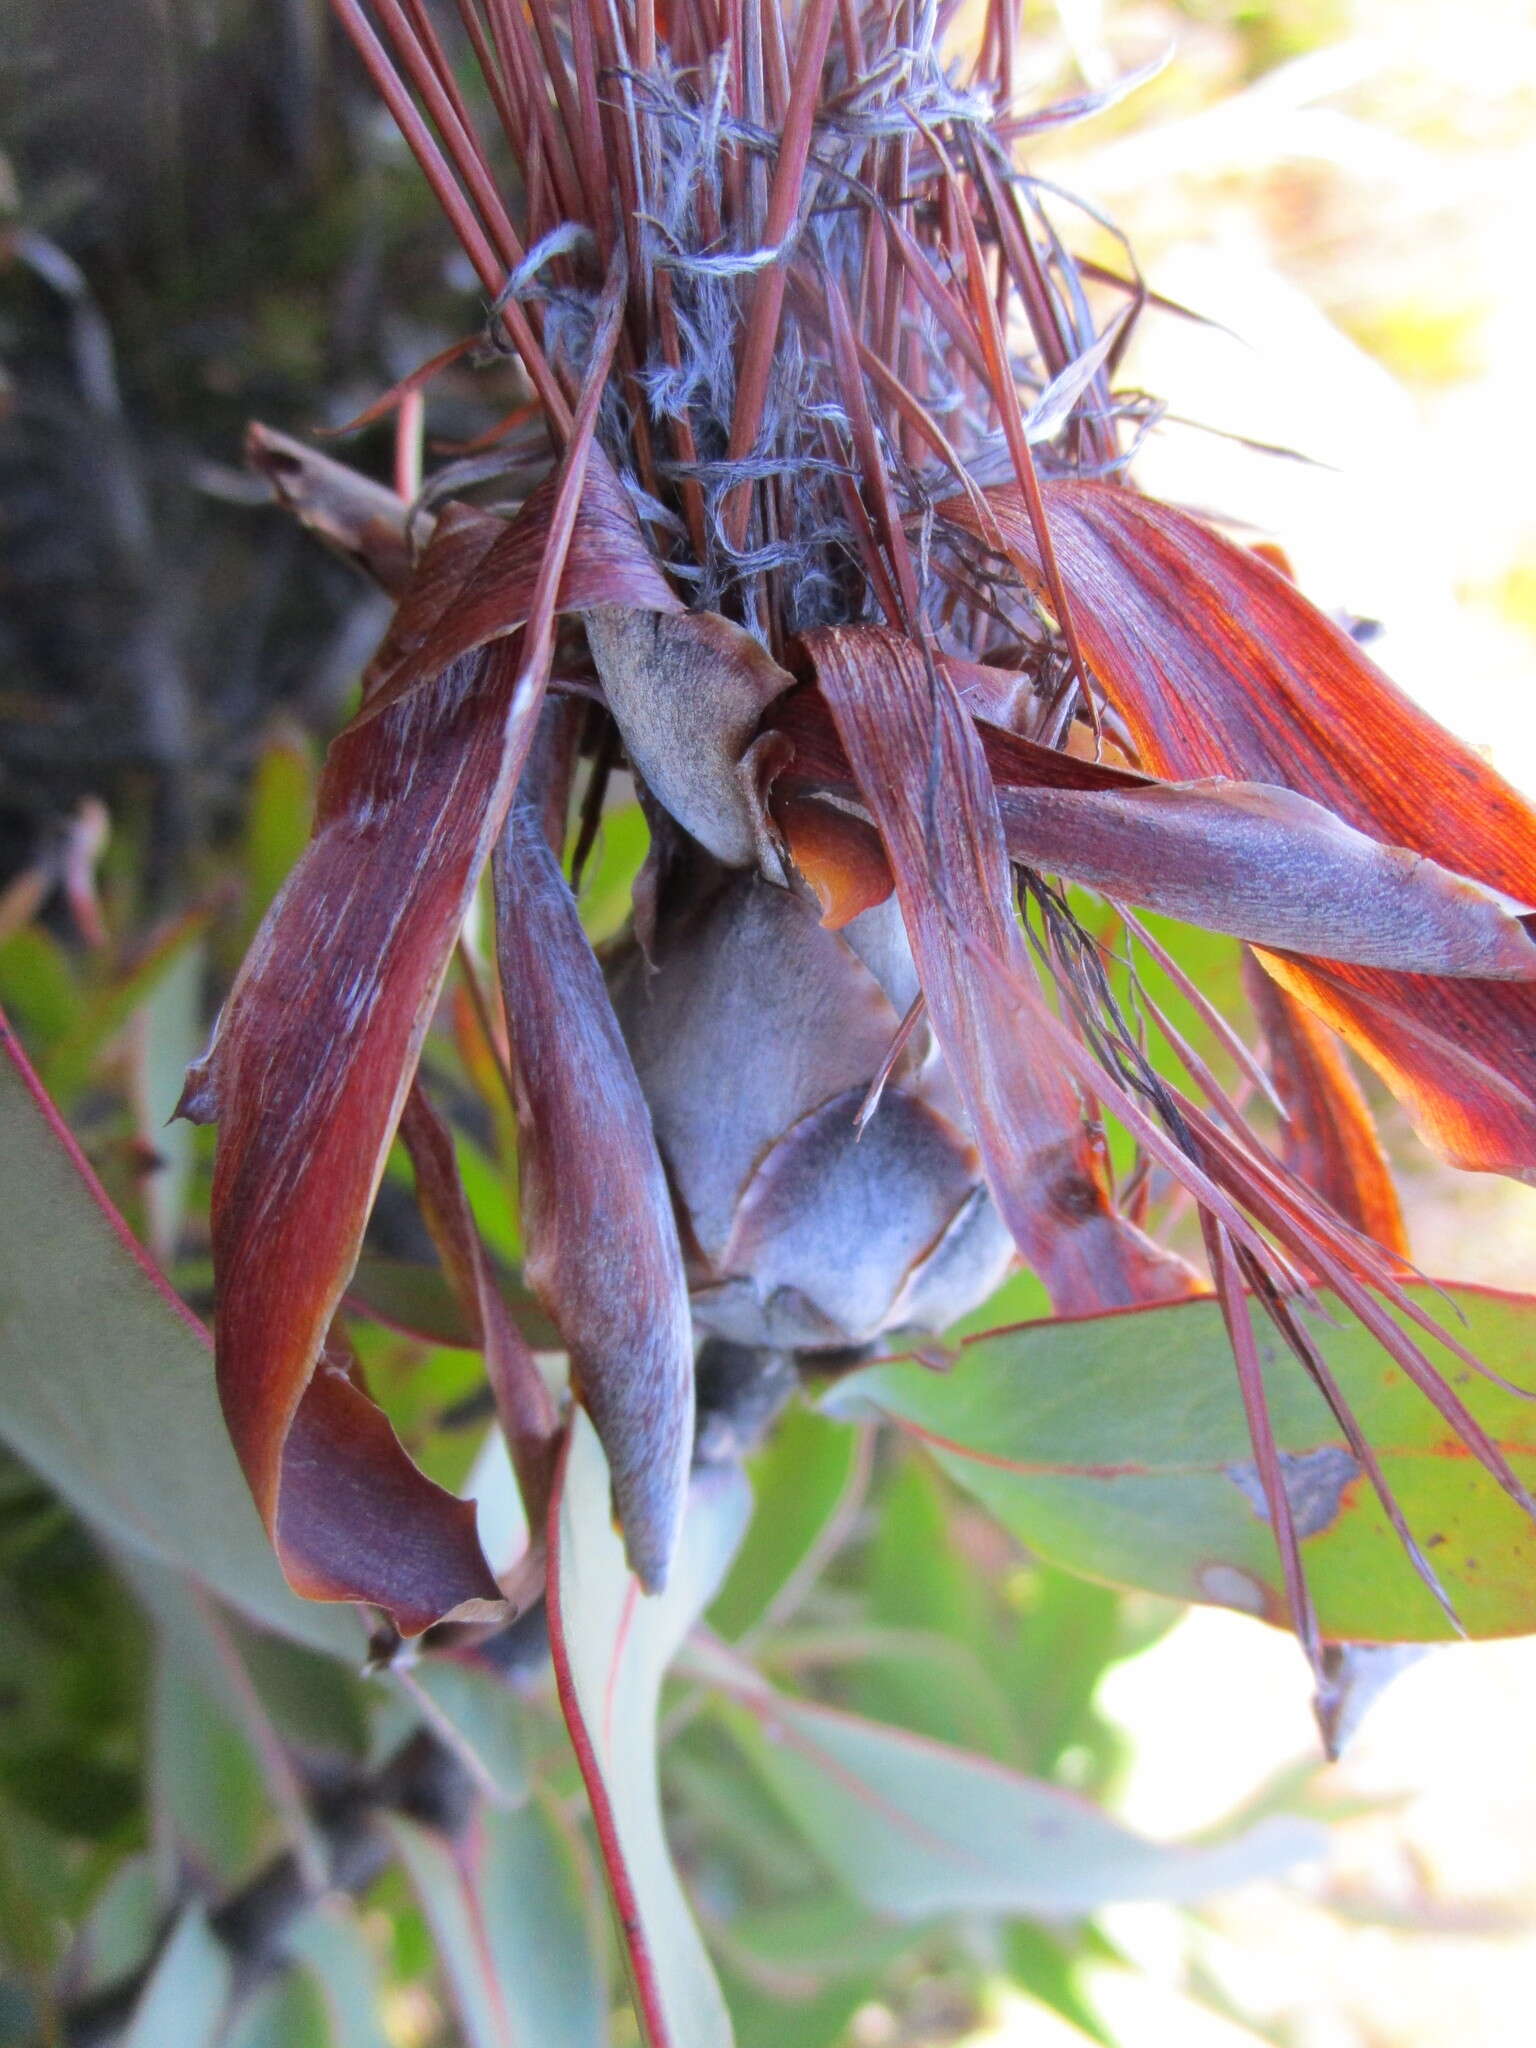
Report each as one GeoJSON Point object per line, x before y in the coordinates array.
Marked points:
{"type": "Point", "coordinates": [649, 1568]}
{"type": "Point", "coordinates": [198, 1102]}
{"type": "Point", "coordinates": [648, 1516]}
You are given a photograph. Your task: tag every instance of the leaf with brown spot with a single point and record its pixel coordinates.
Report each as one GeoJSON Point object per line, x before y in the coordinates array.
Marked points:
{"type": "Point", "coordinates": [922, 774]}
{"type": "Point", "coordinates": [1220, 667]}
{"type": "Point", "coordinates": [1146, 1476]}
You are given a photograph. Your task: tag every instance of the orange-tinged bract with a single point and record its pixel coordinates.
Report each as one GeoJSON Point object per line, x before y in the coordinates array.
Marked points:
{"type": "Point", "coordinates": [838, 514]}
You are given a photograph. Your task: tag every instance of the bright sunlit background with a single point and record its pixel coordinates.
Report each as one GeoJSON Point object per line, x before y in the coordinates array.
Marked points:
{"type": "Point", "coordinates": [1349, 188]}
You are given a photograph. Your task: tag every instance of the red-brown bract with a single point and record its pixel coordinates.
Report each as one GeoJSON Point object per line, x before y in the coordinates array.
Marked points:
{"type": "Point", "coordinates": [838, 477]}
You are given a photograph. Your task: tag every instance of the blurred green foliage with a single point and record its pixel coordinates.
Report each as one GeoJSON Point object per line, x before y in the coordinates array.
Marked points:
{"type": "Point", "coordinates": [160, 1758]}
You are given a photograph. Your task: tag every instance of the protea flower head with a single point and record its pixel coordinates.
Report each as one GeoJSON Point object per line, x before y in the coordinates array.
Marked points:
{"type": "Point", "coordinates": [835, 546]}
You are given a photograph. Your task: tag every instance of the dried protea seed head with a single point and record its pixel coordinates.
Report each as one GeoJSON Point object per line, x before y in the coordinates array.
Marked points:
{"type": "Point", "coordinates": [756, 1034]}
{"type": "Point", "coordinates": [837, 468]}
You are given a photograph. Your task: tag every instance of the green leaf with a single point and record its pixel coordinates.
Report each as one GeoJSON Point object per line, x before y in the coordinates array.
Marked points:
{"type": "Point", "coordinates": [491, 1191]}
{"type": "Point", "coordinates": [229, 1708]}
{"type": "Point", "coordinates": [611, 1646]}
{"type": "Point", "coordinates": [514, 1932]}
{"type": "Point", "coordinates": [827, 1934]}
{"type": "Point", "coordinates": [71, 1655]}
{"type": "Point", "coordinates": [73, 1794]}
{"type": "Point", "coordinates": [916, 1828]}
{"type": "Point", "coordinates": [1116, 1447]}
{"type": "Point", "coordinates": [70, 1060]}
{"type": "Point", "coordinates": [106, 1382]}
{"type": "Point", "coordinates": [311, 1701]}
{"type": "Point", "coordinates": [740, 1842]}
{"type": "Point", "coordinates": [119, 1930]}
{"type": "Point", "coordinates": [288, 2014]}
{"type": "Point", "coordinates": [169, 1036]}
{"type": "Point", "coordinates": [206, 1785]}
{"type": "Point", "coordinates": [418, 1301]}
{"type": "Point", "coordinates": [38, 983]}
{"type": "Point", "coordinates": [276, 1691]}
{"type": "Point", "coordinates": [607, 887]}
{"type": "Point", "coordinates": [1049, 1970]}
{"type": "Point", "coordinates": [1021, 1299]}
{"type": "Point", "coordinates": [185, 1998]}
{"type": "Point", "coordinates": [817, 2019]}
{"type": "Point", "coordinates": [1050, 1660]}
{"type": "Point", "coordinates": [280, 811]}
{"type": "Point", "coordinates": [474, 1713]}
{"type": "Point", "coordinates": [332, 1949]}
{"type": "Point", "coordinates": [40, 1890]}
{"type": "Point", "coordinates": [804, 1481]}
{"type": "Point", "coordinates": [918, 1580]}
